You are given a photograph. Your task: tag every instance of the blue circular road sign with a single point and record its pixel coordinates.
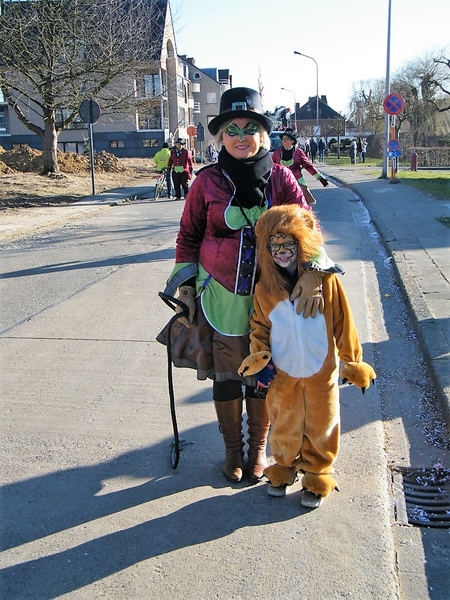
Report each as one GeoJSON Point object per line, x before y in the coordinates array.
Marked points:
{"type": "Point", "coordinates": [393, 145]}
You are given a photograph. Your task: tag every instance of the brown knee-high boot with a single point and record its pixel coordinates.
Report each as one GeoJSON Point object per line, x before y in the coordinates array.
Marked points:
{"type": "Point", "coordinates": [258, 430]}
{"type": "Point", "coordinates": [229, 415]}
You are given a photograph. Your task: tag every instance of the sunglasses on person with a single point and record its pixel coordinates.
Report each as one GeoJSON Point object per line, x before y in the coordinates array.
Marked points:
{"type": "Point", "coordinates": [288, 246]}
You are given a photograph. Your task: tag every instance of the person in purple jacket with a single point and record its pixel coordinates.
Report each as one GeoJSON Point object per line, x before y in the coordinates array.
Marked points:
{"type": "Point", "coordinates": [215, 271]}
{"type": "Point", "coordinates": [293, 157]}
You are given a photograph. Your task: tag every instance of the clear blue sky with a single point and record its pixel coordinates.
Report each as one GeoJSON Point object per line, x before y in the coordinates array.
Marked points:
{"type": "Point", "coordinates": [348, 39]}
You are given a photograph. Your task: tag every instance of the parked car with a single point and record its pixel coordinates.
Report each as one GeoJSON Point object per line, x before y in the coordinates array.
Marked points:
{"type": "Point", "coordinates": [275, 140]}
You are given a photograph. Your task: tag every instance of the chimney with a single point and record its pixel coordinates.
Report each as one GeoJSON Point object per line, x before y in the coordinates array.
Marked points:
{"type": "Point", "coordinates": [324, 100]}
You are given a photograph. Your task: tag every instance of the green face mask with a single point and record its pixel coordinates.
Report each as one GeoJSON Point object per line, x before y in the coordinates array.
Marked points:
{"type": "Point", "coordinates": [233, 130]}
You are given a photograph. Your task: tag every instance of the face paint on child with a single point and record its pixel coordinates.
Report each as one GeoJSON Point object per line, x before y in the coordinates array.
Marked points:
{"type": "Point", "coordinates": [283, 249]}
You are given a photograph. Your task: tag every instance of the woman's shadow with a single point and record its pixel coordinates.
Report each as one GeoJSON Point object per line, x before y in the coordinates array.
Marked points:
{"type": "Point", "coordinates": [42, 506]}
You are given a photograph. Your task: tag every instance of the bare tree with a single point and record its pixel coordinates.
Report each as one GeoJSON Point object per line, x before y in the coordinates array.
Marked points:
{"type": "Point", "coordinates": [417, 83]}
{"type": "Point", "coordinates": [366, 105]}
{"type": "Point", "coordinates": [442, 83]}
{"type": "Point", "coordinates": [57, 53]}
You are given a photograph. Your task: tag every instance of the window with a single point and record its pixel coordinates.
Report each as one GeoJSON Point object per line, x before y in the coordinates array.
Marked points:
{"type": "Point", "coordinates": [181, 116]}
{"type": "Point", "coordinates": [63, 113]}
{"type": "Point", "coordinates": [150, 143]}
{"type": "Point", "coordinates": [211, 98]}
{"type": "Point", "coordinates": [180, 87]}
{"type": "Point", "coordinates": [117, 144]}
{"type": "Point", "coordinates": [152, 121]}
{"type": "Point", "coordinates": [152, 85]}
{"type": "Point", "coordinates": [197, 76]}
{"type": "Point", "coordinates": [77, 147]}
{"type": "Point", "coordinates": [2, 119]}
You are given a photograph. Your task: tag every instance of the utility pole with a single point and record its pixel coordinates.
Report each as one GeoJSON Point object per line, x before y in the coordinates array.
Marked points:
{"type": "Point", "coordinates": [387, 91]}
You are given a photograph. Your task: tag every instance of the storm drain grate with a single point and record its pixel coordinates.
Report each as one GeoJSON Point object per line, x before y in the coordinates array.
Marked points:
{"type": "Point", "coordinates": [422, 497]}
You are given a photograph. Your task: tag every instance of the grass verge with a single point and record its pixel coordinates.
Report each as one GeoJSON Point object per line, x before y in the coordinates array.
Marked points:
{"type": "Point", "coordinates": [435, 183]}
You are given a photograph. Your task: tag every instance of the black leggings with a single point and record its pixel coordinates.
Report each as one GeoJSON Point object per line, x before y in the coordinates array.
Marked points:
{"type": "Point", "coordinates": [231, 389]}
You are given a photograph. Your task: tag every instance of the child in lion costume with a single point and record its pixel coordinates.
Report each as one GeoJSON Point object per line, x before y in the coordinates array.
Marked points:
{"type": "Point", "coordinates": [297, 359]}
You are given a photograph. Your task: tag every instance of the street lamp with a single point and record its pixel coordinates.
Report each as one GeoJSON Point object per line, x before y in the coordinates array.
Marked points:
{"type": "Point", "coordinates": [387, 89]}
{"type": "Point", "coordinates": [317, 88]}
{"type": "Point", "coordinates": [295, 103]}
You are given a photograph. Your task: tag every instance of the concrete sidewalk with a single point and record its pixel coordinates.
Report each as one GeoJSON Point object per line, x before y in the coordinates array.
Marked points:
{"type": "Point", "coordinates": [406, 220]}
{"type": "Point", "coordinates": [24, 221]}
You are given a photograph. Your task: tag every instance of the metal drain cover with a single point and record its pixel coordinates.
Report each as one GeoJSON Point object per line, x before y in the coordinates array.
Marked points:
{"type": "Point", "coordinates": [422, 497]}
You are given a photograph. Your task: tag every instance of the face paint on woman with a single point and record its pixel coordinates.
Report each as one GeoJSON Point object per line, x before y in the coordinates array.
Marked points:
{"type": "Point", "coordinates": [242, 138]}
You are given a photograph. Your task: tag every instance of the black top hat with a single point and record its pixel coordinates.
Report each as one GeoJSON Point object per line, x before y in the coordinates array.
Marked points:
{"type": "Point", "coordinates": [180, 141]}
{"type": "Point", "coordinates": [237, 103]}
{"type": "Point", "coordinates": [291, 133]}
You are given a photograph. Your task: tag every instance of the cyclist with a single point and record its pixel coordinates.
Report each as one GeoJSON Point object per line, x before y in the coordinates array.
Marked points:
{"type": "Point", "coordinates": [161, 159]}
{"type": "Point", "coordinates": [180, 163]}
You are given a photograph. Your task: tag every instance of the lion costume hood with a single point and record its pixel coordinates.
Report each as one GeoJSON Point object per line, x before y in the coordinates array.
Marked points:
{"type": "Point", "coordinates": [303, 226]}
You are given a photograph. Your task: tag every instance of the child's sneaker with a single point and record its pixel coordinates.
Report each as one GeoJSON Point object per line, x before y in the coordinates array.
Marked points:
{"type": "Point", "coordinates": [311, 500]}
{"type": "Point", "coordinates": [276, 491]}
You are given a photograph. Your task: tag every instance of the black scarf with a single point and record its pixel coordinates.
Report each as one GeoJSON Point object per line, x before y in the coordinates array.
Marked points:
{"type": "Point", "coordinates": [287, 154]}
{"type": "Point", "coordinates": [250, 176]}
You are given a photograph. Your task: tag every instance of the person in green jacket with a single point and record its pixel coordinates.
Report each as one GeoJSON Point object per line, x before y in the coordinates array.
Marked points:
{"type": "Point", "coordinates": [161, 159]}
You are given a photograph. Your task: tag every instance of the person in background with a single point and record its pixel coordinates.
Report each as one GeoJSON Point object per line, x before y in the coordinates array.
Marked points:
{"type": "Point", "coordinates": [352, 152]}
{"type": "Point", "coordinates": [313, 149]}
{"type": "Point", "coordinates": [295, 159]}
{"type": "Point", "coordinates": [307, 148]}
{"type": "Point", "coordinates": [161, 160]}
{"type": "Point", "coordinates": [215, 271]}
{"type": "Point", "coordinates": [359, 149]}
{"type": "Point", "coordinates": [322, 148]}
{"type": "Point", "coordinates": [211, 153]}
{"type": "Point", "coordinates": [364, 150]}
{"type": "Point", "coordinates": [180, 162]}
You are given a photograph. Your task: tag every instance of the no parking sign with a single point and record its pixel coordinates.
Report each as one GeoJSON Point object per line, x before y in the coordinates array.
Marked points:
{"type": "Point", "coordinates": [393, 145]}
{"type": "Point", "coordinates": [393, 104]}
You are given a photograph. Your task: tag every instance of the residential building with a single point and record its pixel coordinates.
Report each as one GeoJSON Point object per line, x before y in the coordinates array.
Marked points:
{"type": "Point", "coordinates": [331, 123]}
{"type": "Point", "coordinates": [178, 95]}
{"type": "Point", "coordinates": [208, 85]}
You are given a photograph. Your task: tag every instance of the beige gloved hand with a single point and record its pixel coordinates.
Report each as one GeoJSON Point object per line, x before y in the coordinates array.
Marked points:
{"type": "Point", "coordinates": [186, 294]}
{"type": "Point", "coordinates": [254, 363]}
{"type": "Point", "coordinates": [308, 290]}
{"type": "Point", "coordinates": [361, 374]}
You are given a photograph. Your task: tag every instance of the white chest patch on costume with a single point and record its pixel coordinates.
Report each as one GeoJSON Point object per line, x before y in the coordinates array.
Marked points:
{"type": "Point", "coordinates": [299, 346]}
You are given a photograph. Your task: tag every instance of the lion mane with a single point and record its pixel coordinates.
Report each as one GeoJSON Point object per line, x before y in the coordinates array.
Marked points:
{"type": "Point", "coordinates": [288, 219]}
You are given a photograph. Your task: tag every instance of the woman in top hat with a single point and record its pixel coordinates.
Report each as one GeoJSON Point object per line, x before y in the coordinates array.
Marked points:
{"type": "Point", "coordinates": [215, 270]}
{"type": "Point", "coordinates": [180, 162]}
{"type": "Point", "coordinates": [295, 159]}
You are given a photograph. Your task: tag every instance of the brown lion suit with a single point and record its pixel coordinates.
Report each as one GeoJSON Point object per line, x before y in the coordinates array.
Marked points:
{"type": "Point", "coordinates": [303, 398]}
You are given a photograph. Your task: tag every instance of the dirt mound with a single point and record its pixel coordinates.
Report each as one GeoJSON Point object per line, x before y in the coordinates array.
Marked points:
{"type": "Point", "coordinates": [24, 159]}
{"type": "Point", "coordinates": [108, 163]}
{"type": "Point", "coordinates": [29, 160]}
{"type": "Point", "coordinates": [5, 170]}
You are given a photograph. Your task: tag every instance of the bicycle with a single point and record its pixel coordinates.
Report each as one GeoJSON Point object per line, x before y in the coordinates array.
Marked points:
{"type": "Point", "coordinates": [161, 185]}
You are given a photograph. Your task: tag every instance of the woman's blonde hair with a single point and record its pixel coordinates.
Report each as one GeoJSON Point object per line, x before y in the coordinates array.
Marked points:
{"type": "Point", "coordinates": [265, 141]}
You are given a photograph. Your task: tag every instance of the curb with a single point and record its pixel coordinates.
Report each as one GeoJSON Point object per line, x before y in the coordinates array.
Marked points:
{"type": "Point", "coordinates": [434, 345]}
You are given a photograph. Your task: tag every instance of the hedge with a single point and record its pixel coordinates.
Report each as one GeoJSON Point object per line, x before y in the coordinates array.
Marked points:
{"type": "Point", "coordinates": [437, 156]}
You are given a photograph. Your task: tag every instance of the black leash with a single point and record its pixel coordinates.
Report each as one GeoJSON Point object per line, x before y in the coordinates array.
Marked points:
{"type": "Point", "coordinates": [172, 302]}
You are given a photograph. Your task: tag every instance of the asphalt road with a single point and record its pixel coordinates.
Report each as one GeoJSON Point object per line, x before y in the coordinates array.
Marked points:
{"type": "Point", "coordinates": [91, 505]}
